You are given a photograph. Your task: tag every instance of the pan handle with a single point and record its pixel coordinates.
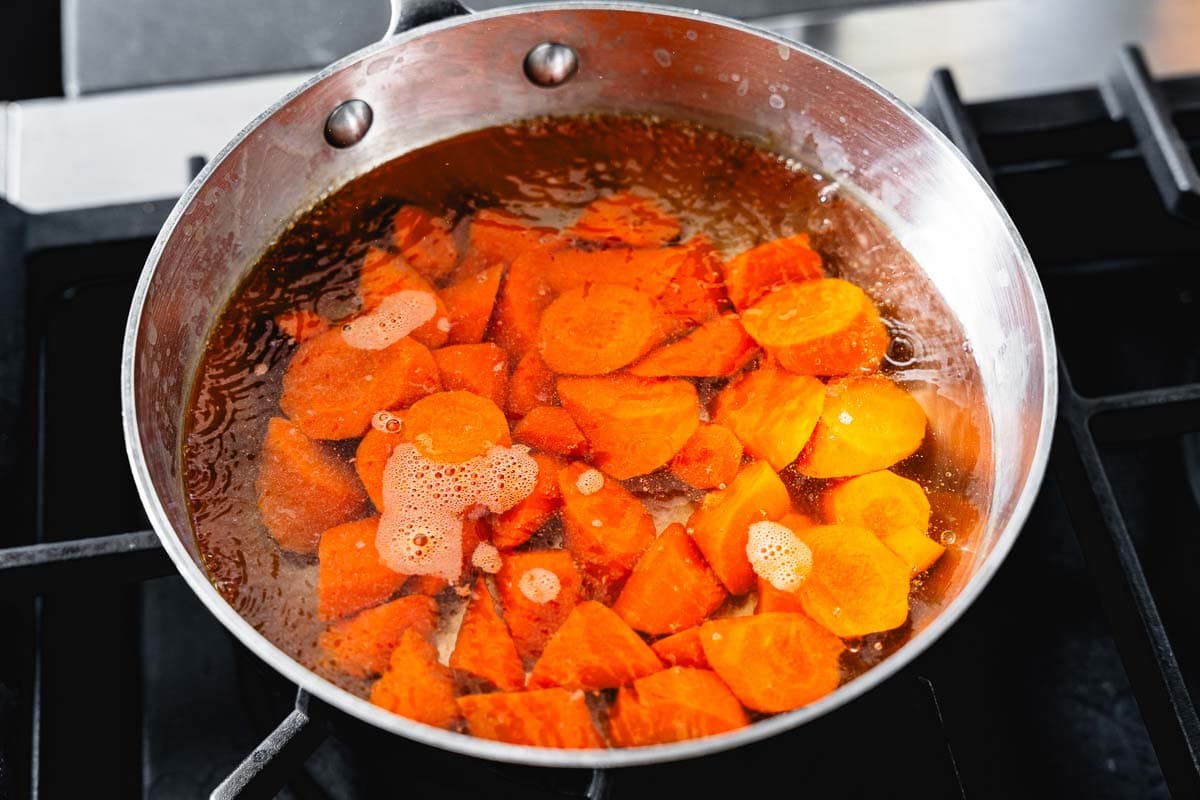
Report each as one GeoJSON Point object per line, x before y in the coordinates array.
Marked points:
{"type": "Point", "coordinates": [408, 14]}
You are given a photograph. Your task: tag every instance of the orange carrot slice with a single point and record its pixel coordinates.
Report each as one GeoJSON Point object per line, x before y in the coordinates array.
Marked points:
{"type": "Point", "coordinates": [771, 600]}
{"type": "Point", "coordinates": [772, 412]}
{"type": "Point", "coordinates": [481, 369]}
{"type": "Point", "coordinates": [496, 236]}
{"type": "Point", "coordinates": [514, 527]}
{"type": "Point", "coordinates": [596, 329]}
{"type": "Point", "coordinates": [416, 685]}
{"type": "Point", "coordinates": [696, 292]}
{"type": "Point", "coordinates": [351, 576]}
{"type": "Point", "coordinates": [544, 718]}
{"type": "Point", "coordinates": [425, 241]}
{"type": "Point", "coordinates": [484, 647]}
{"type": "Point", "coordinates": [301, 325]}
{"type": "Point", "coordinates": [868, 424]}
{"type": "Point", "coordinates": [427, 585]}
{"type": "Point", "coordinates": [371, 458]}
{"type": "Point", "coordinates": [773, 662]}
{"type": "Point", "coordinates": [551, 430]}
{"type": "Point", "coordinates": [360, 645]}
{"type": "Point", "coordinates": [671, 587]}
{"type": "Point", "coordinates": [385, 273]}
{"type": "Point", "coordinates": [302, 490]}
{"type": "Point", "coordinates": [710, 459]}
{"type": "Point", "coordinates": [625, 218]}
{"type": "Point", "coordinates": [915, 548]}
{"type": "Point", "coordinates": [532, 621]}
{"type": "Point", "coordinates": [649, 271]}
{"type": "Point", "coordinates": [893, 508]}
{"type": "Point", "coordinates": [469, 304]}
{"type": "Point", "coordinates": [634, 425]}
{"type": "Point", "coordinates": [531, 385]}
{"type": "Point", "coordinates": [606, 528]}
{"type": "Point", "coordinates": [523, 296]}
{"type": "Point", "coordinates": [857, 585]}
{"type": "Point", "coordinates": [716, 349]}
{"type": "Point", "coordinates": [681, 649]}
{"type": "Point", "coordinates": [452, 427]}
{"type": "Point", "coordinates": [719, 527]}
{"type": "Point", "coordinates": [594, 649]}
{"type": "Point", "coordinates": [757, 271]}
{"type": "Point", "coordinates": [675, 704]}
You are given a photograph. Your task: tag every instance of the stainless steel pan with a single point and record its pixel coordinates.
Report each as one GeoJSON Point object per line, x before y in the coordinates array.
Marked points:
{"type": "Point", "coordinates": [458, 72]}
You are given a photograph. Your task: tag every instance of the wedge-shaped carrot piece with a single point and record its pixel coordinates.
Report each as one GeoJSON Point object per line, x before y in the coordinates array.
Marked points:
{"type": "Point", "coordinates": [857, 585]}
{"type": "Point", "coordinates": [452, 427]}
{"type": "Point", "coordinates": [822, 327]}
{"type": "Point", "coordinates": [893, 508]}
{"type": "Point", "coordinates": [303, 490]}
{"type": "Point", "coordinates": [867, 424]}
{"type": "Point", "coordinates": [469, 303]}
{"type": "Point", "coordinates": [563, 267]}
{"type": "Point", "coordinates": [481, 369]}
{"type": "Point", "coordinates": [544, 718]}
{"type": "Point", "coordinates": [425, 241]}
{"type": "Point", "coordinates": [710, 459]}
{"type": "Point", "coordinates": [551, 430]}
{"type": "Point", "coordinates": [634, 425]}
{"type": "Point", "coordinates": [719, 527]}
{"type": "Point", "coordinates": [771, 600]}
{"type": "Point", "coordinates": [531, 385]}
{"type": "Point", "coordinates": [326, 391]}
{"type": "Point", "coordinates": [671, 587]}
{"type": "Point", "coordinates": [351, 576]}
{"type": "Point", "coordinates": [301, 325]}
{"type": "Point", "coordinates": [371, 458]}
{"type": "Point", "coordinates": [496, 236]}
{"type": "Point", "coordinates": [915, 548]}
{"type": "Point", "coordinates": [484, 647]}
{"type": "Point", "coordinates": [531, 615]}
{"type": "Point", "coordinates": [696, 292]}
{"type": "Point", "coordinates": [757, 271]}
{"type": "Point", "coordinates": [524, 295]}
{"type": "Point", "coordinates": [385, 273]}
{"type": "Point", "coordinates": [625, 218]}
{"type": "Point", "coordinates": [596, 329]}
{"type": "Point", "coordinates": [716, 349]}
{"type": "Point", "coordinates": [416, 685]}
{"type": "Point", "coordinates": [360, 645]}
{"type": "Point", "coordinates": [675, 704]}
{"type": "Point", "coordinates": [594, 649]}
{"type": "Point", "coordinates": [772, 412]}
{"type": "Point", "coordinates": [681, 649]}
{"type": "Point", "coordinates": [606, 527]}
{"type": "Point", "coordinates": [514, 527]}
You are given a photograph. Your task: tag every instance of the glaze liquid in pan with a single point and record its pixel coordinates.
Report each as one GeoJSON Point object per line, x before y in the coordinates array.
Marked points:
{"type": "Point", "coordinates": [547, 171]}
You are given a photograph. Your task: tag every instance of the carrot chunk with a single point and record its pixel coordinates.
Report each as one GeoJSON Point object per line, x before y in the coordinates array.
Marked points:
{"type": "Point", "coordinates": [716, 349]}
{"type": "Point", "coordinates": [326, 391]}
{"type": "Point", "coordinates": [469, 303]}
{"type": "Point", "coordinates": [532, 620]}
{"type": "Point", "coordinates": [696, 292]}
{"type": "Point", "coordinates": [681, 649]}
{"type": "Point", "coordinates": [385, 273]}
{"type": "Point", "coordinates": [531, 385]}
{"type": "Point", "coordinates": [551, 430]}
{"type": "Point", "coordinates": [634, 425]}
{"type": "Point", "coordinates": [302, 490]}
{"type": "Point", "coordinates": [773, 662]}
{"type": "Point", "coordinates": [868, 424]}
{"type": "Point", "coordinates": [771, 599]}
{"type": "Point", "coordinates": [822, 327]}
{"type": "Point", "coordinates": [416, 685]}
{"type": "Point", "coordinates": [452, 427]}
{"type": "Point", "coordinates": [710, 459]}
{"type": "Point", "coordinates": [625, 218]}
{"type": "Point", "coordinates": [915, 548]}
{"type": "Point", "coordinates": [893, 508]}
{"type": "Point", "coordinates": [481, 369]}
{"type": "Point", "coordinates": [360, 645]}
{"type": "Point", "coordinates": [857, 585]}
{"type": "Point", "coordinates": [514, 527]}
{"type": "Point", "coordinates": [301, 325]}
{"type": "Point", "coordinates": [484, 647]}
{"type": "Point", "coordinates": [496, 236]}
{"type": "Point", "coordinates": [544, 718]}
{"type": "Point", "coordinates": [594, 649]}
{"type": "Point", "coordinates": [720, 526]}
{"type": "Point", "coordinates": [649, 271]}
{"type": "Point", "coordinates": [351, 576]}
{"type": "Point", "coordinates": [772, 412]}
{"type": "Point", "coordinates": [523, 296]}
{"type": "Point", "coordinates": [671, 587]}
{"type": "Point", "coordinates": [757, 271]}
{"type": "Point", "coordinates": [606, 528]}
{"type": "Point", "coordinates": [674, 704]}
{"type": "Point", "coordinates": [425, 241]}
{"type": "Point", "coordinates": [596, 329]}
{"type": "Point", "coordinates": [371, 458]}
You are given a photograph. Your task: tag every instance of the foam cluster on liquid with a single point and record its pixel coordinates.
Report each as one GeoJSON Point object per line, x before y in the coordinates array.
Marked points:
{"type": "Point", "coordinates": [424, 502]}
{"type": "Point", "coordinates": [539, 585]}
{"type": "Point", "coordinates": [589, 481]}
{"type": "Point", "coordinates": [486, 558]}
{"type": "Point", "coordinates": [397, 316]}
{"type": "Point", "coordinates": [778, 556]}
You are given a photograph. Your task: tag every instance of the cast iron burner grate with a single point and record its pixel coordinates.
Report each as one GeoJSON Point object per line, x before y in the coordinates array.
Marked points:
{"type": "Point", "coordinates": [1026, 695]}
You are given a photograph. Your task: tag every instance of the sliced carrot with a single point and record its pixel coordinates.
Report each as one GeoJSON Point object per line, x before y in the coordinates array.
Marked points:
{"type": "Point", "coordinates": [484, 647]}
{"type": "Point", "coordinates": [301, 325]}
{"type": "Point", "coordinates": [524, 294]}
{"type": "Point", "coordinates": [597, 329]}
{"type": "Point", "coordinates": [481, 369]}
{"type": "Point", "coordinates": [593, 649]}
{"type": "Point", "coordinates": [757, 271]}
{"type": "Point", "coordinates": [514, 527]}
{"type": "Point", "coordinates": [709, 459]}
{"type": "Point", "coordinates": [895, 509]}
{"type": "Point", "coordinates": [915, 548]}
{"type": "Point", "coordinates": [469, 303]}
{"type": "Point", "coordinates": [719, 527]}
{"type": "Point", "coordinates": [331, 390]}
{"type": "Point", "coordinates": [531, 385]}
{"type": "Point", "coordinates": [868, 424]}
{"type": "Point", "coordinates": [681, 649]}
{"type": "Point", "coordinates": [452, 427]}
{"type": "Point", "coordinates": [772, 412]}
{"type": "Point", "coordinates": [385, 273]}
{"type": "Point", "coordinates": [544, 718]}
{"type": "Point", "coordinates": [532, 622]}
{"type": "Point", "coordinates": [303, 490]}
{"type": "Point", "coordinates": [606, 528]}
{"type": "Point", "coordinates": [674, 704]}
{"type": "Point", "coordinates": [822, 327]}
{"type": "Point", "coordinates": [625, 218]}
{"type": "Point", "coordinates": [857, 585]}
{"type": "Point", "coordinates": [671, 587]}
{"type": "Point", "coordinates": [351, 577]}
{"type": "Point", "coordinates": [371, 458]}
{"type": "Point", "coordinates": [649, 271]}
{"type": "Point", "coordinates": [496, 236]}
{"type": "Point", "coordinates": [696, 292]}
{"type": "Point", "coordinates": [427, 585]}
{"type": "Point", "coordinates": [425, 241]}
{"type": "Point", "coordinates": [360, 645]}
{"type": "Point", "coordinates": [716, 349]}
{"type": "Point", "coordinates": [551, 430]}
{"type": "Point", "coordinates": [634, 425]}
{"type": "Point", "coordinates": [773, 662]}
{"type": "Point", "coordinates": [771, 599]}
{"type": "Point", "coordinates": [416, 685]}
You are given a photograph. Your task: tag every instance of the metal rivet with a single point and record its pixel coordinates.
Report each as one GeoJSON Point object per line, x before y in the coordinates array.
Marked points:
{"type": "Point", "coordinates": [348, 123]}
{"type": "Point", "coordinates": [551, 64]}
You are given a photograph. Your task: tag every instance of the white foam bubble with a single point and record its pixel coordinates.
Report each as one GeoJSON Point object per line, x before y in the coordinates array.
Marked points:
{"type": "Point", "coordinates": [386, 422]}
{"type": "Point", "coordinates": [397, 316]}
{"type": "Point", "coordinates": [486, 558]}
{"type": "Point", "coordinates": [778, 556]}
{"type": "Point", "coordinates": [589, 481]}
{"type": "Point", "coordinates": [539, 585]}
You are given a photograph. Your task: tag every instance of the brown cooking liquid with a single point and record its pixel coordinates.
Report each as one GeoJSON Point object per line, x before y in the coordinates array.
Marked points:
{"type": "Point", "coordinates": [546, 171]}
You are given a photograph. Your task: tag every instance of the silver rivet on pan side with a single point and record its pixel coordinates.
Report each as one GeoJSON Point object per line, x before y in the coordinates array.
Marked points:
{"type": "Point", "coordinates": [348, 123]}
{"type": "Point", "coordinates": [551, 64]}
